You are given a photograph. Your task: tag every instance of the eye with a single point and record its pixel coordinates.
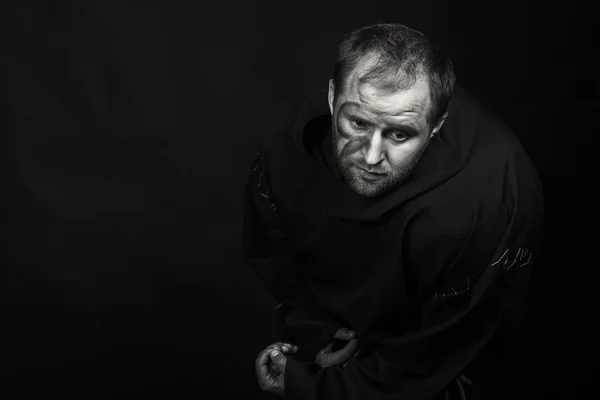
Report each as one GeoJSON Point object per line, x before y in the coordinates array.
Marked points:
{"type": "Point", "coordinates": [400, 136]}
{"type": "Point", "coordinates": [357, 123]}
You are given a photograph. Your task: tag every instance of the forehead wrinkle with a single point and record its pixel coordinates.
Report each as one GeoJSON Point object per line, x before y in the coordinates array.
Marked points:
{"type": "Point", "coordinates": [384, 107]}
{"type": "Point", "coordinates": [364, 97]}
{"type": "Point", "coordinates": [403, 116]}
{"type": "Point", "coordinates": [365, 108]}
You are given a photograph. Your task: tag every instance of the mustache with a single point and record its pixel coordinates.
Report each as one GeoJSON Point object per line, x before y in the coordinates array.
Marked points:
{"type": "Point", "coordinates": [374, 171]}
{"type": "Point", "coordinates": [370, 170]}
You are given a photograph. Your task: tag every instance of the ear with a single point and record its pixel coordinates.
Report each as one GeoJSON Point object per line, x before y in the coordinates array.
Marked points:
{"type": "Point", "coordinates": [331, 95]}
{"type": "Point", "coordinates": [439, 125]}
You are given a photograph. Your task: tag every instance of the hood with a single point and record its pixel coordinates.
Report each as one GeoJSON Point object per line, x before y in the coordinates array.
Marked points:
{"type": "Point", "coordinates": [447, 154]}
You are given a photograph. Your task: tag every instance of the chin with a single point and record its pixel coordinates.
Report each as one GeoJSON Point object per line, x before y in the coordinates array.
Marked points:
{"type": "Point", "coordinates": [362, 187]}
{"type": "Point", "coordinates": [371, 190]}
{"type": "Point", "coordinates": [366, 193]}
{"type": "Point", "coordinates": [365, 189]}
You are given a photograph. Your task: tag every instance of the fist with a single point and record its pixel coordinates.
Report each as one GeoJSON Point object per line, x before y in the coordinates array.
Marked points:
{"type": "Point", "coordinates": [270, 367]}
{"type": "Point", "coordinates": [329, 358]}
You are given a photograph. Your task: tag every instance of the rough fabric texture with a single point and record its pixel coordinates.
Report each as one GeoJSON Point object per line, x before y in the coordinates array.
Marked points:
{"type": "Point", "coordinates": [429, 275]}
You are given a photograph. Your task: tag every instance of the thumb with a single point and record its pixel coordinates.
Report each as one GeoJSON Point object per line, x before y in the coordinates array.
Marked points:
{"type": "Point", "coordinates": [279, 360]}
{"type": "Point", "coordinates": [344, 334]}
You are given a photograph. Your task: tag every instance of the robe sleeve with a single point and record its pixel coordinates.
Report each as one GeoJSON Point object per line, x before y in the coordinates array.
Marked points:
{"type": "Point", "coordinates": [454, 329]}
{"type": "Point", "coordinates": [268, 251]}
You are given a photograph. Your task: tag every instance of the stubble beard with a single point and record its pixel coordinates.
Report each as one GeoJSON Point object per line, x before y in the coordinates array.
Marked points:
{"type": "Point", "coordinates": [348, 169]}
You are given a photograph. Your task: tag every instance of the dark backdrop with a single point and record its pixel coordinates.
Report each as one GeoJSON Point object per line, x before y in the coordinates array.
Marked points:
{"type": "Point", "coordinates": [128, 133]}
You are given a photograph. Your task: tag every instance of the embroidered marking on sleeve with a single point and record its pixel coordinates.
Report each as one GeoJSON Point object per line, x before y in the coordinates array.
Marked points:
{"type": "Point", "coordinates": [459, 382]}
{"type": "Point", "coordinates": [501, 257]}
{"type": "Point", "coordinates": [255, 161]}
{"type": "Point", "coordinates": [265, 193]}
{"type": "Point", "coordinates": [442, 297]}
{"type": "Point", "coordinates": [522, 258]}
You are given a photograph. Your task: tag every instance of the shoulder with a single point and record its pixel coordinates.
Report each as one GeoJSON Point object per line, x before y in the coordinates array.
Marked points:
{"type": "Point", "coordinates": [480, 129]}
{"type": "Point", "coordinates": [273, 146]}
{"type": "Point", "coordinates": [497, 189]}
{"type": "Point", "coordinates": [287, 135]}
{"type": "Point", "coordinates": [274, 137]}
{"type": "Point", "coordinates": [498, 168]}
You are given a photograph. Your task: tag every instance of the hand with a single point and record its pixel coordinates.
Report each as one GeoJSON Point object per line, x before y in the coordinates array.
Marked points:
{"type": "Point", "coordinates": [270, 367]}
{"type": "Point", "coordinates": [328, 358]}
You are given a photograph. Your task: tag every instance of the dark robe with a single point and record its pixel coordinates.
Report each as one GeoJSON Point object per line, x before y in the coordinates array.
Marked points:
{"type": "Point", "coordinates": [431, 275]}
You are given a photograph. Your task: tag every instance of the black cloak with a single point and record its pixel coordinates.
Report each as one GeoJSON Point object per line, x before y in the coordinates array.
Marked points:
{"type": "Point", "coordinates": [431, 275]}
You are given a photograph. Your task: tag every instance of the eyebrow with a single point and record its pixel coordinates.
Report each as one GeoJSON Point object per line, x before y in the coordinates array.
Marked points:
{"type": "Point", "coordinates": [404, 124]}
{"type": "Point", "coordinates": [358, 105]}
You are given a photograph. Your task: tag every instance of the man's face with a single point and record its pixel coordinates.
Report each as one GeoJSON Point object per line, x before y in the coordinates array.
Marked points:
{"type": "Point", "coordinates": [379, 136]}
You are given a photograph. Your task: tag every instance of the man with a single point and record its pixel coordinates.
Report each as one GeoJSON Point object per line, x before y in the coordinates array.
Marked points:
{"type": "Point", "coordinates": [394, 222]}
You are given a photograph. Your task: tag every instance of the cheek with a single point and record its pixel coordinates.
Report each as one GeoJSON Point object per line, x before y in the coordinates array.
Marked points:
{"type": "Point", "coordinates": [347, 142]}
{"type": "Point", "coordinates": [353, 145]}
{"type": "Point", "coordinates": [402, 155]}
{"type": "Point", "coordinates": [342, 127]}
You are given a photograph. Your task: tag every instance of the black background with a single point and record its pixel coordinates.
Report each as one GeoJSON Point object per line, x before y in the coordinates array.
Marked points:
{"type": "Point", "coordinates": [128, 133]}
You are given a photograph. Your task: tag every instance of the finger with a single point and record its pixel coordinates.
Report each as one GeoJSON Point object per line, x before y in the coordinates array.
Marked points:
{"type": "Point", "coordinates": [348, 362]}
{"type": "Point", "coordinates": [279, 360]}
{"type": "Point", "coordinates": [263, 356]}
{"type": "Point", "coordinates": [289, 348]}
{"type": "Point", "coordinates": [283, 347]}
{"type": "Point", "coordinates": [261, 366]}
{"type": "Point", "coordinates": [325, 350]}
{"type": "Point", "coordinates": [340, 356]}
{"type": "Point", "coordinates": [265, 366]}
{"type": "Point", "coordinates": [344, 334]}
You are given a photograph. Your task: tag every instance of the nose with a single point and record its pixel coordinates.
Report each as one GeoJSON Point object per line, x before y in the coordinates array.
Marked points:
{"type": "Point", "coordinates": [374, 149]}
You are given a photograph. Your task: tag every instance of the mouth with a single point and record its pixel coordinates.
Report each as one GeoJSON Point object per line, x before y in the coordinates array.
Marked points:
{"type": "Point", "coordinates": [370, 175]}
